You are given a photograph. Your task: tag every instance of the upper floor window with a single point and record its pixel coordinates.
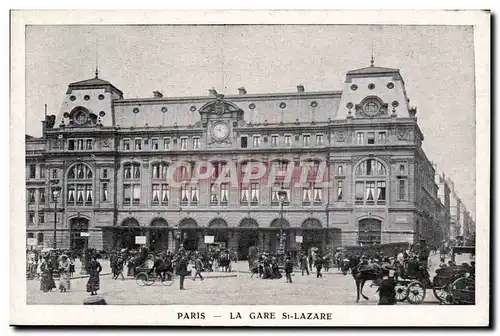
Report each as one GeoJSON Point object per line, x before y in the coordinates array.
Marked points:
{"type": "Point", "coordinates": [79, 171]}
{"type": "Point", "coordinates": [307, 139]}
{"type": "Point", "coordinates": [319, 139]}
{"type": "Point", "coordinates": [371, 108]}
{"type": "Point", "coordinates": [32, 171]}
{"type": "Point", "coordinates": [31, 196]}
{"type": "Point", "coordinates": [154, 144]}
{"type": "Point", "coordinates": [254, 194]}
{"type": "Point", "coordinates": [371, 138]}
{"type": "Point", "coordinates": [105, 192]}
{"type": "Point", "coordinates": [126, 144]}
{"type": "Point", "coordinates": [166, 143]}
{"type": "Point", "coordinates": [371, 189]}
{"type": "Point", "coordinates": [402, 170]}
{"type": "Point", "coordinates": [41, 195]}
{"type": "Point", "coordinates": [131, 171]}
{"type": "Point", "coordinates": [275, 194]}
{"type": "Point", "coordinates": [340, 170]}
{"type": "Point", "coordinates": [189, 194]}
{"type": "Point", "coordinates": [382, 137]}
{"type": "Point", "coordinates": [54, 173]}
{"type": "Point", "coordinates": [196, 143]}
{"type": "Point", "coordinates": [161, 194]}
{"type": "Point", "coordinates": [79, 186]}
{"type": "Point", "coordinates": [105, 173]}
{"type": "Point", "coordinates": [244, 142]}
{"type": "Point", "coordinates": [274, 140]}
{"type": "Point", "coordinates": [312, 194]}
{"type": "Point", "coordinates": [138, 144]}
{"type": "Point", "coordinates": [31, 218]}
{"type": "Point", "coordinates": [371, 167]}
{"type": "Point", "coordinates": [340, 190]}
{"type": "Point", "coordinates": [288, 140]}
{"type": "Point", "coordinates": [256, 141]}
{"type": "Point", "coordinates": [360, 138]}
{"type": "Point", "coordinates": [88, 144]}
{"type": "Point", "coordinates": [159, 170]}
{"type": "Point", "coordinates": [41, 217]}
{"type": "Point", "coordinates": [42, 171]}
{"type": "Point", "coordinates": [184, 142]}
{"type": "Point", "coordinates": [402, 189]}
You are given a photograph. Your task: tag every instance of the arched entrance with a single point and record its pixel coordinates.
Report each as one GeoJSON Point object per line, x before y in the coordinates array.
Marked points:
{"type": "Point", "coordinates": [312, 234]}
{"type": "Point", "coordinates": [158, 237]}
{"type": "Point", "coordinates": [77, 241]}
{"type": "Point", "coordinates": [130, 228]}
{"type": "Point", "coordinates": [249, 236]}
{"type": "Point", "coordinates": [274, 239]}
{"type": "Point", "coordinates": [370, 231]}
{"type": "Point", "coordinates": [218, 228]}
{"type": "Point", "coordinates": [189, 234]}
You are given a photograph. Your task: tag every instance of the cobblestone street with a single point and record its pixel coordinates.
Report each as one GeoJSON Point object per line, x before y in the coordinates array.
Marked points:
{"type": "Point", "coordinates": [236, 288]}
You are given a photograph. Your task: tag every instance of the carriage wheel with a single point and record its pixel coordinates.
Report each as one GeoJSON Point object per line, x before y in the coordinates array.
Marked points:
{"type": "Point", "coordinates": [401, 292]}
{"type": "Point", "coordinates": [460, 291]}
{"type": "Point", "coordinates": [141, 279]}
{"type": "Point", "coordinates": [442, 295]}
{"type": "Point", "coordinates": [416, 292]}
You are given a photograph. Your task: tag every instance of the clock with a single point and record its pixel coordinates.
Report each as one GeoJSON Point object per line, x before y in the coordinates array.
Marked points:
{"type": "Point", "coordinates": [220, 131]}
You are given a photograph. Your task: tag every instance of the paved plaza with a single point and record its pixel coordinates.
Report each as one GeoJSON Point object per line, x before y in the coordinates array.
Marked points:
{"type": "Point", "coordinates": [236, 288]}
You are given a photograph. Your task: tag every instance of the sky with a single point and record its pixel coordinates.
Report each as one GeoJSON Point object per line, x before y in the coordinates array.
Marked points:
{"type": "Point", "coordinates": [436, 63]}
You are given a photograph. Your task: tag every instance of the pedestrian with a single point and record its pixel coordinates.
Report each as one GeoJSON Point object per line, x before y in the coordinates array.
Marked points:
{"type": "Point", "coordinates": [387, 289]}
{"type": "Point", "coordinates": [118, 265]}
{"type": "Point", "coordinates": [71, 266]}
{"type": "Point", "coordinates": [94, 268]}
{"type": "Point", "coordinates": [64, 277]}
{"type": "Point", "coordinates": [182, 270]}
{"type": "Point", "coordinates": [198, 266]}
{"type": "Point", "coordinates": [288, 269]}
{"type": "Point", "coordinates": [318, 263]}
{"type": "Point", "coordinates": [303, 264]}
{"type": "Point", "coordinates": [47, 282]}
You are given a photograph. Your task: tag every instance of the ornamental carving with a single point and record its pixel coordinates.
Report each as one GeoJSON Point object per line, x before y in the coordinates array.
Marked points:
{"type": "Point", "coordinates": [340, 136]}
{"type": "Point", "coordinates": [370, 107]}
{"type": "Point", "coordinates": [402, 135]}
{"type": "Point", "coordinates": [105, 143]}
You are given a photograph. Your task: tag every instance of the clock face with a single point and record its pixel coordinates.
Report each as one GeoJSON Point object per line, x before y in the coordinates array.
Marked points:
{"type": "Point", "coordinates": [220, 131]}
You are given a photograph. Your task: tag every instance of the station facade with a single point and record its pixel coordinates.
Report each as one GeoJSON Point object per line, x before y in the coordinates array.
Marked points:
{"type": "Point", "coordinates": [177, 169]}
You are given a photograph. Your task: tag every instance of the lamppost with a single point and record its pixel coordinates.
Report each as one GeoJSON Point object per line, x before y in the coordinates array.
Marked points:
{"type": "Point", "coordinates": [56, 191]}
{"type": "Point", "coordinates": [282, 197]}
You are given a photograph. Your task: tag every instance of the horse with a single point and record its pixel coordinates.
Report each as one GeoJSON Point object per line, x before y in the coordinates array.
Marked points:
{"type": "Point", "coordinates": [365, 272]}
{"type": "Point", "coordinates": [348, 263]}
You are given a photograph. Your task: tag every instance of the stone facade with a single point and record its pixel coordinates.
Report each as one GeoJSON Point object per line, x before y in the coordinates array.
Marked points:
{"type": "Point", "coordinates": [372, 181]}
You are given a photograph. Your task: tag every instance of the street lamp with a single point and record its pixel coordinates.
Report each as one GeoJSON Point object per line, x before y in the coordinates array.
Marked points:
{"type": "Point", "coordinates": [282, 197]}
{"type": "Point", "coordinates": [56, 191]}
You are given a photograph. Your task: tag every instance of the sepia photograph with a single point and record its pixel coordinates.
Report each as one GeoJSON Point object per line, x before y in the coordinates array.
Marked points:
{"type": "Point", "coordinates": [264, 165]}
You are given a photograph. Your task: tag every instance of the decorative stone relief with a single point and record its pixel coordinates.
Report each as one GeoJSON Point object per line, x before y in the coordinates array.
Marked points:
{"type": "Point", "coordinates": [340, 136]}
{"type": "Point", "coordinates": [402, 134]}
{"type": "Point", "coordinates": [105, 143]}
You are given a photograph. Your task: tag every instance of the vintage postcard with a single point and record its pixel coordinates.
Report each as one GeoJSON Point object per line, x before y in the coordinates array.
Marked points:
{"type": "Point", "coordinates": [250, 168]}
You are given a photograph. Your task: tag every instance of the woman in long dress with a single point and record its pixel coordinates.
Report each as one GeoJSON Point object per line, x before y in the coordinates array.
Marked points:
{"type": "Point", "coordinates": [64, 277]}
{"type": "Point", "coordinates": [94, 268]}
{"type": "Point", "coordinates": [47, 282]}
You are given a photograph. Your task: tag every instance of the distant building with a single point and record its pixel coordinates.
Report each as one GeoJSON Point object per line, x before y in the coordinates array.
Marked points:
{"type": "Point", "coordinates": [369, 180]}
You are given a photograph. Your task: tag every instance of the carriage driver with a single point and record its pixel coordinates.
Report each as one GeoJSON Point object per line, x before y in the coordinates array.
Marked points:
{"type": "Point", "coordinates": [423, 252]}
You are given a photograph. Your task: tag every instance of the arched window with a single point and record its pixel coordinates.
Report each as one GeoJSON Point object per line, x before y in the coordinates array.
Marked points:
{"type": "Point", "coordinates": [159, 180]}
{"type": "Point", "coordinates": [131, 184]}
{"type": "Point", "coordinates": [79, 185]}
{"type": "Point", "coordinates": [371, 183]}
{"type": "Point", "coordinates": [369, 232]}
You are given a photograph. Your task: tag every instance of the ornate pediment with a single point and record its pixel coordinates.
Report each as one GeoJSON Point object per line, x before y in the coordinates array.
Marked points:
{"type": "Point", "coordinates": [371, 107]}
{"type": "Point", "coordinates": [219, 107]}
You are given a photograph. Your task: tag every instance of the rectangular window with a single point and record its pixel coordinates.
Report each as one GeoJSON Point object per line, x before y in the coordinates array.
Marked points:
{"type": "Point", "coordinates": [371, 138]}
{"type": "Point", "coordinates": [196, 143]}
{"type": "Point", "coordinates": [306, 196]}
{"type": "Point", "coordinates": [184, 195]}
{"type": "Point", "coordinates": [318, 195]}
{"type": "Point", "coordinates": [71, 144]}
{"type": "Point", "coordinates": [214, 197]}
{"type": "Point", "coordinates": [274, 140]}
{"type": "Point", "coordinates": [360, 138]}
{"type": "Point", "coordinates": [382, 138]}
{"type": "Point", "coordinates": [254, 194]}
{"type": "Point", "coordinates": [104, 192]}
{"type": "Point", "coordinates": [340, 190]}
{"type": "Point", "coordinates": [127, 194]}
{"type": "Point", "coordinates": [42, 171]}
{"type": "Point", "coordinates": [224, 194]}
{"type": "Point", "coordinates": [155, 144]}
{"type": "Point", "coordinates": [32, 170]}
{"type": "Point", "coordinates": [166, 143]}
{"type": "Point", "coordinates": [31, 196]}
{"type": "Point", "coordinates": [244, 142]}
{"type": "Point", "coordinates": [319, 139]}
{"type": "Point", "coordinates": [41, 217]}
{"type": "Point", "coordinates": [307, 139]}
{"type": "Point", "coordinates": [256, 141]}
{"type": "Point", "coordinates": [402, 189]}
{"type": "Point", "coordinates": [370, 192]}
{"type": "Point", "coordinates": [127, 172]}
{"type": "Point", "coordinates": [137, 171]}
{"type": "Point", "coordinates": [136, 194]}
{"type": "Point", "coordinates": [80, 194]}
{"type": "Point", "coordinates": [104, 173]}
{"type": "Point", "coordinates": [402, 169]}
{"type": "Point", "coordinates": [155, 197]}
{"type": "Point", "coordinates": [88, 144]}
{"type": "Point", "coordinates": [288, 140]}
{"type": "Point", "coordinates": [244, 195]}
{"type": "Point", "coordinates": [80, 144]}
{"type": "Point", "coordinates": [39, 238]}
{"type": "Point", "coordinates": [31, 218]}
{"type": "Point", "coordinates": [88, 194]}
{"type": "Point", "coordinates": [165, 194]}
{"type": "Point", "coordinates": [381, 192]}
{"type": "Point", "coordinates": [71, 194]}
{"type": "Point", "coordinates": [184, 143]}
{"type": "Point", "coordinates": [138, 144]}
{"type": "Point", "coordinates": [41, 195]}
{"type": "Point", "coordinates": [54, 173]}
{"type": "Point", "coordinates": [359, 196]}
{"type": "Point", "coordinates": [340, 170]}
{"type": "Point", "coordinates": [195, 196]}
{"type": "Point", "coordinates": [126, 144]}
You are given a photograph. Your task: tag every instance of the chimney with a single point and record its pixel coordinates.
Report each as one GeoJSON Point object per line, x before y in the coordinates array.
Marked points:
{"type": "Point", "coordinates": [157, 94]}
{"type": "Point", "coordinates": [212, 92]}
{"type": "Point", "coordinates": [300, 88]}
{"type": "Point", "coordinates": [242, 91]}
